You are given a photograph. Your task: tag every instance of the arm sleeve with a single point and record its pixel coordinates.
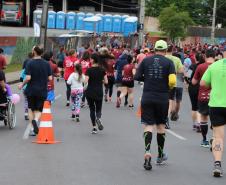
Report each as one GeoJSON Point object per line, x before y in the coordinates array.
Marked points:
{"type": "Point", "coordinates": [207, 76]}
{"type": "Point", "coordinates": [139, 76]}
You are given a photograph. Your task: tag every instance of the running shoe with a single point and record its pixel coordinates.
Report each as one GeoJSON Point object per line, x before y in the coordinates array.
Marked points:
{"type": "Point", "coordinates": [77, 118]}
{"type": "Point", "coordinates": [217, 170]}
{"type": "Point", "coordinates": [82, 104]}
{"type": "Point", "coordinates": [205, 144]}
{"type": "Point", "coordinates": [99, 124]}
{"type": "Point", "coordinates": [162, 160]}
{"type": "Point", "coordinates": [172, 116]}
{"type": "Point", "coordinates": [94, 131]}
{"type": "Point", "coordinates": [194, 127]}
{"type": "Point", "coordinates": [147, 163]}
{"type": "Point", "coordinates": [118, 102]}
{"type": "Point", "coordinates": [106, 98]}
{"type": "Point", "coordinates": [35, 126]}
{"type": "Point", "coordinates": [26, 117]}
{"type": "Point", "coordinates": [73, 117]}
{"type": "Point", "coordinates": [32, 133]}
{"type": "Point", "coordinates": [167, 124]}
{"type": "Point", "coordinates": [126, 103]}
{"type": "Point", "coordinates": [131, 106]}
{"type": "Point", "coordinates": [67, 104]}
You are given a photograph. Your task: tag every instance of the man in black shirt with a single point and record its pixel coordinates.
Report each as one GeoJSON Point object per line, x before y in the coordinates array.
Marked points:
{"type": "Point", "coordinates": [38, 73]}
{"type": "Point", "coordinates": [158, 74]}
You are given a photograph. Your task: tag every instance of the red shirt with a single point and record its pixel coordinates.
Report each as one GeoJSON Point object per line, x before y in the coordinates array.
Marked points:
{"type": "Point", "coordinates": [69, 66]}
{"type": "Point", "coordinates": [110, 67]}
{"type": "Point", "coordinates": [128, 72]}
{"type": "Point", "coordinates": [55, 71]}
{"type": "Point", "coordinates": [86, 64]}
{"type": "Point", "coordinates": [2, 62]}
{"type": "Point", "coordinates": [116, 53]}
{"type": "Point", "coordinates": [204, 92]}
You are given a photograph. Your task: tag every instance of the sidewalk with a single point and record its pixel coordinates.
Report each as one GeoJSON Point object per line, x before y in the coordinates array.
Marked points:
{"type": "Point", "coordinates": [12, 77]}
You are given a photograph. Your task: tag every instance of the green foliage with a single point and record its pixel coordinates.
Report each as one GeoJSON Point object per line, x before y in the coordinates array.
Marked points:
{"type": "Point", "coordinates": [23, 47]}
{"type": "Point", "coordinates": [174, 23]}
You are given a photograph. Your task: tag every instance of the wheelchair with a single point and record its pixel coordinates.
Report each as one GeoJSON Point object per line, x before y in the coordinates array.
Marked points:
{"type": "Point", "coordinates": [8, 114]}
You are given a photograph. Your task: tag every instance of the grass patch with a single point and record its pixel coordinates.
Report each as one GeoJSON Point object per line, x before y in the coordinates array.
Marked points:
{"type": "Point", "coordinates": [156, 34]}
{"type": "Point", "coordinates": [13, 68]}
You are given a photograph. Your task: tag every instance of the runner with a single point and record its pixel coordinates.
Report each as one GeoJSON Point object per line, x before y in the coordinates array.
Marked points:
{"type": "Point", "coordinates": [128, 81]}
{"type": "Point", "coordinates": [69, 63]}
{"type": "Point", "coordinates": [203, 97]}
{"type": "Point", "coordinates": [76, 81]}
{"type": "Point", "coordinates": [215, 77]}
{"type": "Point", "coordinates": [158, 74]}
{"type": "Point", "coordinates": [36, 89]}
{"type": "Point", "coordinates": [2, 60]}
{"type": "Point", "coordinates": [60, 62]}
{"type": "Point", "coordinates": [94, 93]}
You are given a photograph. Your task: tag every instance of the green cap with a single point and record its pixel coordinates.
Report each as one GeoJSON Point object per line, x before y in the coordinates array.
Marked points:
{"type": "Point", "coordinates": [161, 45]}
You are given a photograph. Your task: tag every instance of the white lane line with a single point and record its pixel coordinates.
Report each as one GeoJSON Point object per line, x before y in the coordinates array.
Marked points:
{"type": "Point", "coordinates": [58, 97]}
{"type": "Point", "coordinates": [176, 135]}
{"type": "Point", "coordinates": [27, 131]}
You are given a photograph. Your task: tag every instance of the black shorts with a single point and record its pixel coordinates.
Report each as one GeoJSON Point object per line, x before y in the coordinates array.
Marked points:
{"type": "Point", "coordinates": [60, 64]}
{"type": "Point", "coordinates": [129, 84]}
{"type": "Point", "coordinates": [217, 116]}
{"type": "Point", "coordinates": [203, 108]}
{"type": "Point", "coordinates": [193, 94]}
{"type": "Point", "coordinates": [111, 79]}
{"type": "Point", "coordinates": [35, 103]}
{"type": "Point", "coordinates": [154, 113]}
{"type": "Point", "coordinates": [176, 93]}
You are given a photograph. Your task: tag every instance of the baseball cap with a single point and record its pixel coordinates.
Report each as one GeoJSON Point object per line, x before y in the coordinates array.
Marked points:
{"type": "Point", "coordinates": [161, 45]}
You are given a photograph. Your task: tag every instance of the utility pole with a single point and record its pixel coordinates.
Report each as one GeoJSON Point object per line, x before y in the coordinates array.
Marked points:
{"type": "Point", "coordinates": [141, 21]}
{"type": "Point", "coordinates": [102, 6]}
{"type": "Point", "coordinates": [214, 21]}
{"type": "Point", "coordinates": [43, 30]}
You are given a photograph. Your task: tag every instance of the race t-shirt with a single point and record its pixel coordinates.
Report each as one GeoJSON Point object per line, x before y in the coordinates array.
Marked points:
{"type": "Point", "coordinates": [39, 70]}
{"type": "Point", "coordinates": [95, 83]}
{"type": "Point", "coordinates": [215, 76]}
{"type": "Point", "coordinates": [110, 67]}
{"type": "Point", "coordinates": [128, 72]}
{"type": "Point", "coordinates": [204, 92]}
{"type": "Point", "coordinates": [55, 71]}
{"type": "Point", "coordinates": [86, 64]}
{"type": "Point", "coordinates": [155, 71]}
{"type": "Point", "coordinates": [69, 66]}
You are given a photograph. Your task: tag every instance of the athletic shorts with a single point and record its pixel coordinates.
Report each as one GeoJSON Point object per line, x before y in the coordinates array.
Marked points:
{"type": "Point", "coordinates": [118, 84]}
{"type": "Point", "coordinates": [176, 93]}
{"type": "Point", "coordinates": [60, 64]}
{"type": "Point", "coordinates": [193, 94]}
{"type": "Point", "coordinates": [203, 108]}
{"type": "Point", "coordinates": [217, 116]}
{"type": "Point", "coordinates": [35, 103]}
{"type": "Point", "coordinates": [154, 113]}
{"type": "Point", "coordinates": [129, 84]}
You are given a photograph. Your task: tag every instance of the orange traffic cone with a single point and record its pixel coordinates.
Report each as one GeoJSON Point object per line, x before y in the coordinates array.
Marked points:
{"type": "Point", "coordinates": [46, 132]}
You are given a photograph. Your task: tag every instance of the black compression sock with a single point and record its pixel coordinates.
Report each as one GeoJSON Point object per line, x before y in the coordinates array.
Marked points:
{"type": "Point", "coordinates": [204, 129]}
{"type": "Point", "coordinates": [147, 141]}
{"type": "Point", "coordinates": [161, 142]}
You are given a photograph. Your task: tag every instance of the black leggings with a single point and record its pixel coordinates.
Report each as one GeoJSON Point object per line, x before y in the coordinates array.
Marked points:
{"type": "Point", "coordinates": [193, 94]}
{"type": "Point", "coordinates": [95, 107]}
{"type": "Point", "coordinates": [68, 92]}
{"type": "Point", "coordinates": [109, 86]}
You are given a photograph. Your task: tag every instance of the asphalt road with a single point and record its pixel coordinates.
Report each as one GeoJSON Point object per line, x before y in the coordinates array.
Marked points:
{"type": "Point", "coordinates": [112, 157]}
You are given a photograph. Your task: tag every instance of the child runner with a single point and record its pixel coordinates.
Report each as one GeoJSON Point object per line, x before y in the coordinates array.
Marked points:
{"type": "Point", "coordinates": [76, 81]}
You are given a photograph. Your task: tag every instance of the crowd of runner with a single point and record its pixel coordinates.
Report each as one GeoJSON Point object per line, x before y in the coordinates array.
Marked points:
{"type": "Point", "coordinates": [164, 72]}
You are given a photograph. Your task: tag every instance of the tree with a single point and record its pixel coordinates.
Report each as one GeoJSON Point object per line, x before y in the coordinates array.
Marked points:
{"type": "Point", "coordinates": [174, 23]}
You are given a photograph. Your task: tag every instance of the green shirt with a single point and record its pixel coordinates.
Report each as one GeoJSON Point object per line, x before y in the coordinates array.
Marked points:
{"type": "Point", "coordinates": [215, 76]}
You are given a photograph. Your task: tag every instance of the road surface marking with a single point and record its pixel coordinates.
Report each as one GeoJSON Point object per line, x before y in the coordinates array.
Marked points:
{"type": "Point", "coordinates": [58, 97]}
{"type": "Point", "coordinates": [27, 131]}
{"type": "Point", "coordinates": [176, 135]}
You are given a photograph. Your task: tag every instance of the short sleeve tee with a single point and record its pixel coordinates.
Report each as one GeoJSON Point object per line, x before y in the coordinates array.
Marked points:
{"type": "Point", "coordinates": [95, 83]}
{"type": "Point", "coordinates": [39, 70]}
{"type": "Point", "coordinates": [215, 76]}
{"type": "Point", "coordinates": [204, 92]}
{"type": "Point", "coordinates": [155, 71]}
{"type": "Point", "coordinates": [128, 72]}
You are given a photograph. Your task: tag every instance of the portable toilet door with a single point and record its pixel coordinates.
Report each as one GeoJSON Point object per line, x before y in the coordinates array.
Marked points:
{"type": "Point", "coordinates": [129, 25]}
{"type": "Point", "coordinates": [107, 23]}
{"type": "Point", "coordinates": [60, 20]}
{"type": "Point", "coordinates": [117, 23]}
{"type": "Point", "coordinates": [51, 20]}
{"type": "Point", "coordinates": [89, 15]}
{"type": "Point", "coordinates": [101, 23]}
{"type": "Point", "coordinates": [124, 17]}
{"type": "Point", "coordinates": [70, 21]}
{"type": "Point", "coordinates": [37, 17]}
{"type": "Point", "coordinates": [92, 23]}
{"type": "Point", "coordinates": [135, 24]}
{"type": "Point", "coordinates": [79, 21]}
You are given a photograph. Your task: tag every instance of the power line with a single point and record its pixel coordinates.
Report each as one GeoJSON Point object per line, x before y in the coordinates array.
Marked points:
{"type": "Point", "coordinates": [122, 3]}
{"type": "Point", "coordinates": [113, 6]}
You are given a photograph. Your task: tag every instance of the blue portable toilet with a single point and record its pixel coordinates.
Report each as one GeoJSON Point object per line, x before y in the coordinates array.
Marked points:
{"type": "Point", "coordinates": [130, 25]}
{"type": "Point", "coordinates": [101, 24]}
{"type": "Point", "coordinates": [107, 23]}
{"type": "Point", "coordinates": [117, 23]}
{"type": "Point", "coordinates": [70, 21]}
{"type": "Point", "coordinates": [79, 21]}
{"type": "Point", "coordinates": [51, 20]}
{"type": "Point", "coordinates": [60, 20]}
{"type": "Point", "coordinates": [89, 15]}
{"type": "Point", "coordinates": [124, 17]}
{"type": "Point", "coordinates": [92, 24]}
